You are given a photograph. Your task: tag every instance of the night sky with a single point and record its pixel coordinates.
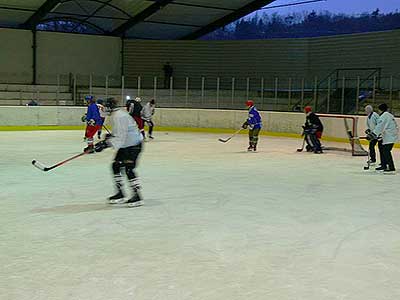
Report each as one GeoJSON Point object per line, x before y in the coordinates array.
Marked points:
{"type": "Point", "coordinates": [337, 6]}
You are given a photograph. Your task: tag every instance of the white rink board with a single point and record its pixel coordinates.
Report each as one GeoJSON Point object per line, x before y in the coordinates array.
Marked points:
{"type": "Point", "coordinates": [218, 223]}
{"type": "Point", "coordinates": [280, 122]}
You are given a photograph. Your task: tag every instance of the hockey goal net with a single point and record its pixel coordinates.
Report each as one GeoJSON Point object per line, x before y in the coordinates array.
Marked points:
{"type": "Point", "coordinates": [340, 128]}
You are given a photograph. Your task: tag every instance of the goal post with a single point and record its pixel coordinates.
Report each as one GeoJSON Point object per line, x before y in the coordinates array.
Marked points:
{"type": "Point", "coordinates": [345, 127]}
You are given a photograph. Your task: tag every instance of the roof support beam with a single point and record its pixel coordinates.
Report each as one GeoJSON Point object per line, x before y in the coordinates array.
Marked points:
{"type": "Point", "coordinates": [241, 12]}
{"type": "Point", "coordinates": [35, 19]}
{"type": "Point", "coordinates": [140, 17]}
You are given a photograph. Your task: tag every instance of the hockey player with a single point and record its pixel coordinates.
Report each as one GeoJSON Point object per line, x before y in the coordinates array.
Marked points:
{"type": "Point", "coordinates": [127, 140]}
{"type": "Point", "coordinates": [254, 123]}
{"type": "Point", "coordinates": [134, 107]}
{"type": "Point", "coordinates": [93, 121]}
{"type": "Point", "coordinates": [103, 115]}
{"type": "Point", "coordinates": [388, 130]}
{"type": "Point", "coordinates": [147, 115]}
{"type": "Point", "coordinates": [313, 129]}
{"type": "Point", "coordinates": [372, 121]}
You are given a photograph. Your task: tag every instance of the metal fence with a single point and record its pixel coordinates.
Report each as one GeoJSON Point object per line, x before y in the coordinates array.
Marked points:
{"type": "Point", "coordinates": [332, 94]}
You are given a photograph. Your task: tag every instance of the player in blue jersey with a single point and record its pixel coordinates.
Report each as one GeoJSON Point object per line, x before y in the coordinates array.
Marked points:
{"type": "Point", "coordinates": [254, 123]}
{"type": "Point", "coordinates": [93, 122]}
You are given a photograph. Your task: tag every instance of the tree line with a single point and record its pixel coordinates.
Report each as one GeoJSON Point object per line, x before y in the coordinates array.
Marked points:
{"type": "Point", "coordinates": [303, 25]}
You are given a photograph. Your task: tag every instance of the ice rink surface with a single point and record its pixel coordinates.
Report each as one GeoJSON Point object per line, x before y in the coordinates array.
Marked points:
{"type": "Point", "coordinates": [218, 223]}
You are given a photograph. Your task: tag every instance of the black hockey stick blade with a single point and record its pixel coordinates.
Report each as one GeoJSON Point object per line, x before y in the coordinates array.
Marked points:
{"type": "Point", "coordinates": [39, 165]}
{"type": "Point", "coordinates": [224, 141]}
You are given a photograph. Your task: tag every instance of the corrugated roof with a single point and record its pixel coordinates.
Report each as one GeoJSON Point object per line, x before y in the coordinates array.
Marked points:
{"type": "Point", "coordinates": [147, 19]}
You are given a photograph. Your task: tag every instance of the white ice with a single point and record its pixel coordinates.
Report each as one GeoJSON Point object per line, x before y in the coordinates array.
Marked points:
{"type": "Point", "coordinates": [218, 223]}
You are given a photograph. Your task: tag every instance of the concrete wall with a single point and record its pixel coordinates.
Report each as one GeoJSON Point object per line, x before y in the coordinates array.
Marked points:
{"type": "Point", "coordinates": [280, 122]}
{"type": "Point", "coordinates": [15, 56]}
{"type": "Point", "coordinates": [57, 53]}
{"type": "Point", "coordinates": [377, 49]}
{"type": "Point", "coordinates": [216, 58]}
{"type": "Point", "coordinates": [61, 53]}
{"type": "Point", "coordinates": [308, 57]}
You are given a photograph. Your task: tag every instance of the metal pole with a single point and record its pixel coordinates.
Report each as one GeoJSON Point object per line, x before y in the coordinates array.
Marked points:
{"type": "Point", "coordinates": [107, 79]}
{"type": "Point", "coordinates": [276, 93]}
{"type": "Point", "coordinates": [357, 95]}
{"type": "Point", "coordinates": [187, 91]}
{"type": "Point", "coordinates": [233, 90]}
{"type": "Point", "coordinates": [391, 92]}
{"type": "Point", "coordinates": [58, 90]}
{"type": "Point", "coordinates": [218, 87]}
{"type": "Point", "coordinates": [262, 92]}
{"type": "Point", "coordinates": [247, 88]}
{"type": "Point", "coordinates": [315, 93]}
{"type": "Point", "coordinates": [202, 90]}
{"type": "Point", "coordinates": [122, 89]}
{"type": "Point", "coordinates": [171, 88]}
{"type": "Point", "coordinates": [75, 90]}
{"type": "Point", "coordinates": [34, 56]}
{"type": "Point", "coordinates": [302, 93]}
{"type": "Point", "coordinates": [290, 94]}
{"type": "Point", "coordinates": [139, 84]}
{"type": "Point", "coordinates": [90, 84]}
{"type": "Point", "coordinates": [374, 91]}
{"type": "Point", "coordinates": [328, 100]}
{"type": "Point", "coordinates": [155, 88]}
{"type": "Point", "coordinates": [343, 93]}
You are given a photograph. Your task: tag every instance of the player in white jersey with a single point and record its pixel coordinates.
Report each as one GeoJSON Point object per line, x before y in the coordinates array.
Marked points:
{"type": "Point", "coordinates": [372, 121]}
{"type": "Point", "coordinates": [388, 130]}
{"type": "Point", "coordinates": [127, 140]}
{"type": "Point", "coordinates": [147, 115]}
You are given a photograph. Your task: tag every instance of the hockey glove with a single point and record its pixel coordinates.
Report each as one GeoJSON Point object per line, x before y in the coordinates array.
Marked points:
{"type": "Point", "coordinates": [100, 146]}
{"type": "Point", "coordinates": [91, 122]}
{"type": "Point", "coordinates": [372, 136]}
{"type": "Point", "coordinates": [83, 119]}
{"type": "Point", "coordinates": [245, 125]}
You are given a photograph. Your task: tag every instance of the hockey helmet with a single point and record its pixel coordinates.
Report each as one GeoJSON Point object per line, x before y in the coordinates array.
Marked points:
{"type": "Point", "coordinates": [111, 104]}
{"type": "Point", "coordinates": [249, 103]}
{"type": "Point", "coordinates": [383, 107]}
{"type": "Point", "coordinates": [308, 109]}
{"type": "Point", "coordinates": [89, 98]}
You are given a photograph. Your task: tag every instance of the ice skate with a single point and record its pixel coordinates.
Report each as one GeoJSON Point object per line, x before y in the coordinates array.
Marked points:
{"type": "Point", "coordinates": [135, 201]}
{"type": "Point", "coordinates": [117, 198]}
{"type": "Point", "coordinates": [89, 149]}
{"type": "Point", "coordinates": [389, 172]}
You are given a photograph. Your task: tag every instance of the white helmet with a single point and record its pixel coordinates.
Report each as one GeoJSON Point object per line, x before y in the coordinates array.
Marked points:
{"type": "Point", "coordinates": [137, 99]}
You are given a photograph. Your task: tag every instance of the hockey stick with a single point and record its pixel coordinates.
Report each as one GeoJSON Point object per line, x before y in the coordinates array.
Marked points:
{"type": "Point", "coordinates": [108, 131]}
{"type": "Point", "coordinates": [368, 163]}
{"type": "Point", "coordinates": [302, 147]}
{"type": "Point", "coordinates": [229, 138]}
{"type": "Point", "coordinates": [42, 167]}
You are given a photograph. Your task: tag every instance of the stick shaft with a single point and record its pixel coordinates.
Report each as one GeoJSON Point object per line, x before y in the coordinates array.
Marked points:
{"type": "Point", "coordinates": [65, 161]}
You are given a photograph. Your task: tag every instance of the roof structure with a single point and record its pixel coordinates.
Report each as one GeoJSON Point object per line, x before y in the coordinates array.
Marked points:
{"type": "Point", "coordinates": [140, 19]}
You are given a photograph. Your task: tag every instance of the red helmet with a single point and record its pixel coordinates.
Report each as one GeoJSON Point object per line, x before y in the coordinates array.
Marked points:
{"type": "Point", "coordinates": [308, 109]}
{"type": "Point", "coordinates": [249, 103]}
